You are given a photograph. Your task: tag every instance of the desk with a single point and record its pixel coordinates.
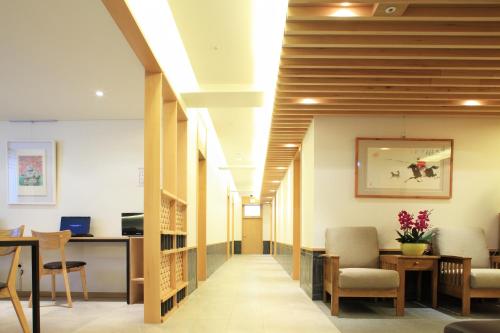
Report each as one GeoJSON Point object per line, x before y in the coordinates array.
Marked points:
{"type": "Point", "coordinates": [125, 240]}
{"type": "Point", "coordinates": [402, 264]}
{"type": "Point", "coordinates": [35, 278]}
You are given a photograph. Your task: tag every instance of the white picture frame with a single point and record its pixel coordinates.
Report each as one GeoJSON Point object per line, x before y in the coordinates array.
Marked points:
{"type": "Point", "coordinates": [31, 172]}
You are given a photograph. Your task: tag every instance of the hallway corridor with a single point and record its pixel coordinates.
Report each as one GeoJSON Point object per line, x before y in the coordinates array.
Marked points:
{"type": "Point", "coordinates": [246, 294]}
{"type": "Point", "coordinates": [250, 294]}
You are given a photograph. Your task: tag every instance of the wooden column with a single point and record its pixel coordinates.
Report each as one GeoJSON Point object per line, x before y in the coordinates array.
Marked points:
{"type": "Point", "coordinates": [152, 196]}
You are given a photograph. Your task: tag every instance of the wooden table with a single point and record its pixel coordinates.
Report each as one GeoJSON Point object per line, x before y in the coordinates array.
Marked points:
{"type": "Point", "coordinates": [122, 239]}
{"type": "Point", "coordinates": [402, 264]}
{"type": "Point", "coordinates": [35, 278]}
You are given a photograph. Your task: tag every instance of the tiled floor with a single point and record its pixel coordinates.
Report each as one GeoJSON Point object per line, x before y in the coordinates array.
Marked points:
{"type": "Point", "coordinates": [247, 294]}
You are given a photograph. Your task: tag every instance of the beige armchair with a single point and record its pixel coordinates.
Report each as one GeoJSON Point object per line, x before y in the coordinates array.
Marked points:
{"type": "Point", "coordinates": [351, 267]}
{"type": "Point", "coordinates": [466, 269]}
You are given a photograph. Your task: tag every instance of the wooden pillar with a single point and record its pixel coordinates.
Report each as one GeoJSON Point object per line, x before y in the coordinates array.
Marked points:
{"type": "Point", "coordinates": [152, 196]}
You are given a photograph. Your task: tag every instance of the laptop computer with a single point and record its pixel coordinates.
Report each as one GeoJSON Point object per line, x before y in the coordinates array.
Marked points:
{"type": "Point", "coordinates": [78, 225]}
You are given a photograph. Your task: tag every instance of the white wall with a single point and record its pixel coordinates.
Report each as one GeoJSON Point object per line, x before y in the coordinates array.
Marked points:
{"type": "Point", "coordinates": [476, 174]}
{"type": "Point", "coordinates": [98, 164]}
{"type": "Point", "coordinates": [238, 217]}
{"type": "Point", "coordinates": [307, 188]}
{"type": "Point", "coordinates": [284, 209]}
{"type": "Point", "coordinates": [266, 222]}
{"type": "Point", "coordinates": [218, 182]}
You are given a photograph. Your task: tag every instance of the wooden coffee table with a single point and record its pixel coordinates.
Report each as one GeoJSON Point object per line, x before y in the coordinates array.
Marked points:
{"type": "Point", "coordinates": [401, 264]}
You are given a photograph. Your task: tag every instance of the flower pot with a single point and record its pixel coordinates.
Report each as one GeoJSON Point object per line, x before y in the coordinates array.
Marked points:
{"type": "Point", "coordinates": [413, 249]}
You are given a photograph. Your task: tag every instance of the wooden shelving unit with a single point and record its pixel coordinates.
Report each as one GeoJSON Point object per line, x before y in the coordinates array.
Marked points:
{"type": "Point", "coordinates": [136, 270]}
{"type": "Point", "coordinates": [165, 204]}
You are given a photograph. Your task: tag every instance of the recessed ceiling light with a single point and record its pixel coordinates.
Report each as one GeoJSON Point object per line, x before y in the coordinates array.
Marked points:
{"type": "Point", "coordinates": [385, 148]}
{"type": "Point", "coordinates": [472, 102]}
{"type": "Point", "coordinates": [390, 10]}
{"type": "Point", "coordinates": [343, 12]}
{"type": "Point", "coordinates": [308, 101]}
{"type": "Point", "coordinates": [281, 168]}
{"type": "Point", "coordinates": [290, 145]}
{"type": "Point", "coordinates": [99, 93]}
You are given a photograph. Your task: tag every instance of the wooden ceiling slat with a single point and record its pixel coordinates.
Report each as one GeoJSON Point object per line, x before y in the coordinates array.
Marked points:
{"type": "Point", "coordinates": [387, 89]}
{"type": "Point", "coordinates": [407, 28]}
{"type": "Point", "coordinates": [343, 81]}
{"type": "Point", "coordinates": [290, 96]}
{"type": "Point", "coordinates": [391, 53]}
{"type": "Point", "coordinates": [329, 102]}
{"type": "Point", "coordinates": [389, 73]}
{"type": "Point", "coordinates": [370, 41]}
{"type": "Point", "coordinates": [393, 64]}
{"type": "Point", "coordinates": [477, 12]}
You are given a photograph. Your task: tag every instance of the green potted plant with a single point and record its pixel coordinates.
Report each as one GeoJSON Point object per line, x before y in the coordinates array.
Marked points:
{"type": "Point", "coordinates": [414, 235]}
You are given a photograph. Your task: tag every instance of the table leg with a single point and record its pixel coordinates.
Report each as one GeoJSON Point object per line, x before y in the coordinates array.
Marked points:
{"type": "Point", "coordinates": [435, 275]}
{"type": "Point", "coordinates": [400, 303]}
{"type": "Point", "coordinates": [35, 287]}
{"type": "Point", "coordinates": [128, 270]}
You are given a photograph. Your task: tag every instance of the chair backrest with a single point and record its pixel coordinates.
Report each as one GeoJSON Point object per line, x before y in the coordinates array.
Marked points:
{"type": "Point", "coordinates": [463, 242]}
{"type": "Point", "coordinates": [16, 250]}
{"type": "Point", "coordinates": [10, 233]}
{"type": "Point", "coordinates": [357, 247]}
{"type": "Point", "coordinates": [52, 240]}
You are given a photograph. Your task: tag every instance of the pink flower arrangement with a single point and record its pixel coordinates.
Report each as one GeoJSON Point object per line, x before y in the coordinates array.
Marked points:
{"type": "Point", "coordinates": [414, 230]}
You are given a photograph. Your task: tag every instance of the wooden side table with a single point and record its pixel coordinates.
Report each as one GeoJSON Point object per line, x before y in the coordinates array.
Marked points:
{"type": "Point", "coordinates": [401, 264]}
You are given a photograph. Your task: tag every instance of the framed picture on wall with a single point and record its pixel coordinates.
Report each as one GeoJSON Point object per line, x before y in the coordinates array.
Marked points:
{"type": "Point", "coordinates": [31, 170]}
{"type": "Point", "coordinates": [404, 168]}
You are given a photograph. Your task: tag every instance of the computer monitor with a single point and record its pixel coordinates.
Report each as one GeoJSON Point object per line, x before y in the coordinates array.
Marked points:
{"type": "Point", "coordinates": [132, 224]}
{"type": "Point", "coordinates": [78, 225]}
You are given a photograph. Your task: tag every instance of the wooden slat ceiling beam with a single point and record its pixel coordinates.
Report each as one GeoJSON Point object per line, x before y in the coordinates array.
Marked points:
{"type": "Point", "coordinates": [383, 57]}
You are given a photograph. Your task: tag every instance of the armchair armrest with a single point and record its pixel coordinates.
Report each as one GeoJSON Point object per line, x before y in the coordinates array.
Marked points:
{"type": "Point", "coordinates": [388, 262]}
{"type": "Point", "coordinates": [454, 259]}
{"type": "Point", "coordinates": [328, 256]}
{"type": "Point", "coordinates": [455, 272]}
{"type": "Point", "coordinates": [495, 261]}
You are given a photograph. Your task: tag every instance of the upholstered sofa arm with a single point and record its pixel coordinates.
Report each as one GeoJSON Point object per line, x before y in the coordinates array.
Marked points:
{"type": "Point", "coordinates": [495, 262]}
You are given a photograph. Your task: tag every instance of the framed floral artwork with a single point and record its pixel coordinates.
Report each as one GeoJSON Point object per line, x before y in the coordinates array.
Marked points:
{"type": "Point", "coordinates": [31, 168]}
{"type": "Point", "coordinates": [404, 168]}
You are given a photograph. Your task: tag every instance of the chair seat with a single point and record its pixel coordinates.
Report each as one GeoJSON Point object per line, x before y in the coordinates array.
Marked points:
{"type": "Point", "coordinates": [3, 285]}
{"type": "Point", "coordinates": [485, 278]}
{"type": "Point", "coordinates": [473, 326]}
{"type": "Point", "coordinates": [69, 264]}
{"type": "Point", "coordinates": [368, 278]}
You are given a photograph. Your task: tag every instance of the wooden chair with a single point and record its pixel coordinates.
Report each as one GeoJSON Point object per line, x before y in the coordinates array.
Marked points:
{"type": "Point", "coordinates": [8, 289]}
{"type": "Point", "coordinates": [351, 268]}
{"type": "Point", "coordinates": [57, 241]}
{"type": "Point", "coordinates": [466, 269]}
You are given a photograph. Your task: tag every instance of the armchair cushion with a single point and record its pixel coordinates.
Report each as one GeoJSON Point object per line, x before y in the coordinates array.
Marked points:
{"type": "Point", "coordinates": [368, 278]}
{"type": "Point", "coordinates": [356, 246]}
{"type": "Point", "coordinates": [463, 242]}
{"type": "Point", "coordinates": [485, 278]}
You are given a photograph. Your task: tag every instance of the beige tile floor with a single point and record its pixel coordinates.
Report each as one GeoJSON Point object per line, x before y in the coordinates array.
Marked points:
{"type": "Point", "coordinates": [247, 294]}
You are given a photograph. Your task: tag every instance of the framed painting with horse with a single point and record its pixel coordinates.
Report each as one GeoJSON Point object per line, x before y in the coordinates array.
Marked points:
{"type": "Point", "coordinates": [404, 168]}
